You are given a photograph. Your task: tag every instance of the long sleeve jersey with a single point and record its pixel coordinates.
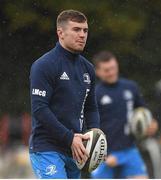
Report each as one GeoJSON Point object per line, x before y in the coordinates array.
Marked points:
{"type": "Point", "coordinates": [62, 88]}
{"type": "Point", "coordinates": [116, 103]}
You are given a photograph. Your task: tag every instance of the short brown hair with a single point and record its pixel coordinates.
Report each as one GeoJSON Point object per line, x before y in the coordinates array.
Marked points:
{"type": "Point", "coordinates": [103, 56]}
{"type": "Point", "coordinates": [70, 15]}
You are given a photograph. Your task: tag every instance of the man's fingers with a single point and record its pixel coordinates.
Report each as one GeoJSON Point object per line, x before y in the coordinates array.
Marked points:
{"type": "Point", "coordinates": [83, 136]}
{"type": "Point", "coordinates": [84, 150]}
{"type": "Point", "coordinates": [78, 150]}
{"type": "Point", "coordinates": [73, 154]}
{"type": "Point", "coordinates": [86, 137]}
{"type": "Point", "coordinates": [78, 158]}
{"type": "Point", "coordinates": [81, 154]}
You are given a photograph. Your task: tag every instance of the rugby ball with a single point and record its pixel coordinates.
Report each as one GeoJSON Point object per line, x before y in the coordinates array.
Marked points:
{"type": "Point", "coordinates": [96, 146]}
{"type": "Point", "coordinates": [140, 121]}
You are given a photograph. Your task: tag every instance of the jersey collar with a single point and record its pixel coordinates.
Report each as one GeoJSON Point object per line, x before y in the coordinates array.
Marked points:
{"type": "Point", "coordinates": [68, 54]}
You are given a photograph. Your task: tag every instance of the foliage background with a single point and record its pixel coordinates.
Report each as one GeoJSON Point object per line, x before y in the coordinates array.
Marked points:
{"type": "Point", "coordinates": [129, 28]}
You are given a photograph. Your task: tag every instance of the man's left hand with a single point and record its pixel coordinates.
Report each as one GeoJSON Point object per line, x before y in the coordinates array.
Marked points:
{"type": "Point", "coordinates": [152, 129]}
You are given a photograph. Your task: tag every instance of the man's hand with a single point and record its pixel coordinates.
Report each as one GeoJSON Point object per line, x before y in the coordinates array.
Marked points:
{"type": "Point", "coordinates": [152, 129]}
{"type": "Point", "coordinates": [111, 161]}
{"type": "Point", "coordinates": [78, 150]}
{"type": "Point", "coordinates": [95, 129]}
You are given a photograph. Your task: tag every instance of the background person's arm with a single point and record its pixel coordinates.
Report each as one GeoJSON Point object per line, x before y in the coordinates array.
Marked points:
{"type": "Point", "coordinates": [139, 102]}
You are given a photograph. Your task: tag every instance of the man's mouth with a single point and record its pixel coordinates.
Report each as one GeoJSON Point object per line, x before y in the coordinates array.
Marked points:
{"type": "Point", "coordinates": [81, 42]}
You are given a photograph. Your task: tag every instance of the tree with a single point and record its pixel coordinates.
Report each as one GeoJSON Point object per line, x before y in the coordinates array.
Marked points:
{"type": "Point", "coordinates": [131, 29]}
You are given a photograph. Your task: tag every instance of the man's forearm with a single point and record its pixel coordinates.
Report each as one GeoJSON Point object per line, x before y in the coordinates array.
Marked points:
{"type": "Point", "coordinates": [56, 128]}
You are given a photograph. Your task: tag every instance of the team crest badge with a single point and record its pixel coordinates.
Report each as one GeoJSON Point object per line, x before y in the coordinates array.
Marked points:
{"type": "Point", "coordinates": [128, 95]}
{"type": "Point", "coordinates": [86, 78]}
{"type": "Point", "coordinates": [51, 169]}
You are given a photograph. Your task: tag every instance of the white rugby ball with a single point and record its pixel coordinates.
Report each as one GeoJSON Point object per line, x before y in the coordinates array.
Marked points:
{"type": "Point", "coordinates": [96, 146]}
{"type": "Point", "coordinates": [140, 121]}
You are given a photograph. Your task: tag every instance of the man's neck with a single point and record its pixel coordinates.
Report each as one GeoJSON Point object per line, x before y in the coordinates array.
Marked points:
{"type": "Point", "coordinates": [112, 83]}
{"type": "Point", "coordinates": [66, 48]}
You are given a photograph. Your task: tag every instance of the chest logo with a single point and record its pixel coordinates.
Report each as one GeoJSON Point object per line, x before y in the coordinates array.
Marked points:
{"type": "Point", "coordinates": [106, 100]}
{"type": "Point", "coordinates": [64, 76]}
{"type": "Point", "coordinates": [127, 95]}
{"type": "Point", "coordinates": [86, 78]}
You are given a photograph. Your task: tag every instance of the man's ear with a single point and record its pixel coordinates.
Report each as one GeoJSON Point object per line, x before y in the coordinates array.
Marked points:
{"type": "Point", "coordinates": [60, 32]}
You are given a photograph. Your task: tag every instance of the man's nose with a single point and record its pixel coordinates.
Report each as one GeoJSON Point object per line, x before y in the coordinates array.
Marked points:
{"type": "Point", "coordinates": [82, 34]}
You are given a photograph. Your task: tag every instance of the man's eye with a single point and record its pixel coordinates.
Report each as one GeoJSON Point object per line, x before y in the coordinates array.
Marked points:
{"type": "Point", "coordinates": [76, 29]}
{"type": "Point", "coordinates": [85, 30]}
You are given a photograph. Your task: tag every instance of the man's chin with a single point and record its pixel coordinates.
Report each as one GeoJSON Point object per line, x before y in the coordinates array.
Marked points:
{"type": "Point", "coordinates": [78, 50]}
{"type": "Point", "coordinates": [111, 81]}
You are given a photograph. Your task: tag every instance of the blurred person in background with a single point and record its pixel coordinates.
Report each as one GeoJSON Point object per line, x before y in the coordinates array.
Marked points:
{"type": "Point", "coordinates": [117, 98]}
{"type": "Point", "coordinates": [62, 96]}
{"type": "Point", "coordinates": [14, 157]}
{"type": "Point", "coordinates": [157, 92]}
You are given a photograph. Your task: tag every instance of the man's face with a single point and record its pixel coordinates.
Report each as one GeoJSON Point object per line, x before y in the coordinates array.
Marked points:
{"type": "Point", "coordinates": [73, 35]}
{"type": "Point", "coordinates": [108, 71]}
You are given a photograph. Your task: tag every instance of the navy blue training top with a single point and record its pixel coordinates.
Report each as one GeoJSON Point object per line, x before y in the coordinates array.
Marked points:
{"type": "Point", "coordinates": [62, 88]}
{"type": "Point", "coordinates": [116, 103]}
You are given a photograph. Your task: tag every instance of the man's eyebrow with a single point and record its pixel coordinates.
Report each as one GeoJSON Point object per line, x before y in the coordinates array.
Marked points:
{"type": "Point", "coordinates": [79, 27]}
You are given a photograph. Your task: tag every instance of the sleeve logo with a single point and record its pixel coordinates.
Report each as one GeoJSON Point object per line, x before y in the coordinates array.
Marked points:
{"type": "Point", "coordinates": [86, 78]}
{"type": "Point", "coordinates": [128, 95]}
{"type": "Point", "coordinates": [38, 92]}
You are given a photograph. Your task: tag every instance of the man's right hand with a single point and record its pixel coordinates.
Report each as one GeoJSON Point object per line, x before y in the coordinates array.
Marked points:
{"type": "Point", "coordinates": [78, 150]}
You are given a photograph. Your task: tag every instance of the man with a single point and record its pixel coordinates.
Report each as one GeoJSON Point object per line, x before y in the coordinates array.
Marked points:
{"type": "Point", "coordinates": [117, 99]}
{"type": "Point", "coordinates": [62, 96]}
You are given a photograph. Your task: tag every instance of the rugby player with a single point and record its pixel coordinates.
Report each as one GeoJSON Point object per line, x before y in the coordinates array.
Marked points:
{"type": "Point", "coordinates": [62, 85]}
{"type": "Point", "coordinates": [117, 98]}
